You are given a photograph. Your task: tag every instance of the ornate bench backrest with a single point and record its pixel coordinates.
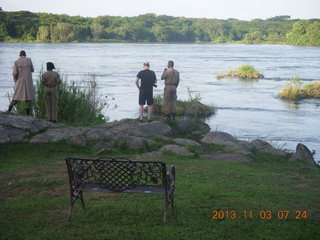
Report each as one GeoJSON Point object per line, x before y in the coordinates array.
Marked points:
{"type": "Point", "coordinates": [115, 174]}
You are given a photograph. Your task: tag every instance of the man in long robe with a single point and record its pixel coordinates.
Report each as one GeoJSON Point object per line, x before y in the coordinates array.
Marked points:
{"type": "Point", "coordinates": [22, 76]}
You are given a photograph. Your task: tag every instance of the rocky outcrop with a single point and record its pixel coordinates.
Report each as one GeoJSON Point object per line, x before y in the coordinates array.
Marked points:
{"type": "Point", "coordinates": [265, 147]}
{"type": "Point", "coordinates": [143, 137]}
{"type": "Point", "coordinates": [59, 134]}
{"type": "Point", "coordinates": [302, 152]}
{"type": "Point", "coordinates": [144, 129]}
{"type": "Point", "coordinates": [232, 144]}
{"type": "Point", "coordinates": [15, 128]}
{"type": "Point", "coordinates": [187, 126]}
{"type": "Point", "coordinates": [186, 142]}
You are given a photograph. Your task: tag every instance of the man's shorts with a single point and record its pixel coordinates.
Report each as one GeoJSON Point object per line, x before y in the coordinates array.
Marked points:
{"type": "Point", "coordinates": [146, 95]}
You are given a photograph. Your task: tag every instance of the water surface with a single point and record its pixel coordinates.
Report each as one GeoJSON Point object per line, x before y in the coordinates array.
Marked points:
{"type": "Point", "coordinates": [246, 109]}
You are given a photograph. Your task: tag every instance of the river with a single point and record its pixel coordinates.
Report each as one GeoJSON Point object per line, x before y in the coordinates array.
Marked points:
{"type": "Point", "coordinates": [245, 109]}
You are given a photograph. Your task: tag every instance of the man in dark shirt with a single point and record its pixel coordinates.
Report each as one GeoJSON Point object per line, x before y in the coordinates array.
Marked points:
{"type": "Point", "coordinates": [147, 81]}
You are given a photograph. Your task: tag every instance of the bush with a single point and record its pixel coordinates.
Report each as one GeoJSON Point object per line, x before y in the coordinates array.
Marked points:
{"type": "Point", "coordinates": [78, 103]}
{"type": "Point", "coordinates": [244, 71]}
{"type": "Point", "coordinates": [292, 90]}
{"type": "Point", "coordinates": [295, 91]}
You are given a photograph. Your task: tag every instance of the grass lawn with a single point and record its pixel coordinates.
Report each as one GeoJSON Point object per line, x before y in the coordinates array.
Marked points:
{"type": "Point", "coordinates": [34, 199]}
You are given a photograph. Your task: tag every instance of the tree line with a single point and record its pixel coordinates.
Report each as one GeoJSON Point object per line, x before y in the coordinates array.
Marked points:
{"type": "Point", "coordinates": [25, 26]}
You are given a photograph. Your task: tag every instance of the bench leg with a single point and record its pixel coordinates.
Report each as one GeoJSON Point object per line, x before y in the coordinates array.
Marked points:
{"type": "Point", "coordinates": [74, 196]}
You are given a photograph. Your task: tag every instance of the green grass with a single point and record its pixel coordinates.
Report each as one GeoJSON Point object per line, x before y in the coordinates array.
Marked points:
{"type": "Point", "coordinates": [245, 71]}
{"type": "Point", "coordinates": [35, 198]}
{"type": "Point", "coordinates": [294, 90]}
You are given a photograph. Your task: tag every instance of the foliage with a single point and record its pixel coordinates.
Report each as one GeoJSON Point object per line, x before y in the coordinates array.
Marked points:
{"type": "Point", "coordinates": [78, 103]}
{"type": "Point", "coordinates": [44, 27]}
{"type": "Point", "coordinates": [245, 71]}
{"type": "Point", "coordinates": [294, 90]}
{"type": "Point", "coordinates": [219, 76]}
{"type": "Point", "coordinates": [312, 90]}
{"type": "Point", "coordinates": [34, 199]}
{"type": "Point", "coordinates": [304, 33]}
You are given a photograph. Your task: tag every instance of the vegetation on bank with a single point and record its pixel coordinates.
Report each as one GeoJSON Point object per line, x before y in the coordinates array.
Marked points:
{"type": "Point", "coordinates": [191, 108]}
{"type": "Point", "coordinates": [295, 90]}
{"type": "Point", "coordinates": [35, 199]}
{"type": "Point", "coordinates": [24, 26]}
{"type": "Point", "coordinates": [245, 71]}
{"type": "Point", "coordinates": [78, 103]}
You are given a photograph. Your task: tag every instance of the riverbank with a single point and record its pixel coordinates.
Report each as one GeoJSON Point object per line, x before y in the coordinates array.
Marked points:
{"type": "Point", "coordinates": [215, 172]}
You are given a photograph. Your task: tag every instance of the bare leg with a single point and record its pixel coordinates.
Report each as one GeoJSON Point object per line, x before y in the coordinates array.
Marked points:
{"type": "Point", "coordinates": [141, 111]}
{"type": "Point", "coordinates": [150, 109]}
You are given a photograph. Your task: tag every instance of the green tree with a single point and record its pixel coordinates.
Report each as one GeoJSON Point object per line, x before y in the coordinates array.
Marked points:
{"type": "Point", "coordinates": [43, 34]}
{"type": "Point", "coordinates": [96, 30]}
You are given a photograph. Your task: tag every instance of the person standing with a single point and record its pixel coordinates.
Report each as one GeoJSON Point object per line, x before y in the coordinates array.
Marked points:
{"type": "Point", "coordinates": [22, 76]}
{"type": "Point", "coordinates": [50, 80]}
{"type": "Point", "coordinates": [148, 80]}
{"type": "Point", "coordinates": [172, 79]}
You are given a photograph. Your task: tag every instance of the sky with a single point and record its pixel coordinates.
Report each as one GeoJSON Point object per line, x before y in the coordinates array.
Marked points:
{"type": "Point", "coordinates": [221, 9]}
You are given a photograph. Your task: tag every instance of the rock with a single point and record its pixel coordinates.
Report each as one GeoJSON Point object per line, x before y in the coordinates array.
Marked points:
{"type": "Point", "coordinates": [26, 123]}
{"type": "Point", "coordinates": [232, 144]}
{"type": "Point", "coordinates": [100, 133]}
{"type": "Point", "coordinates": [186, 142]}
{"type": "Point", "coordinates": [162, 138]}
{"type": "Point", "coordinates": [266, 147]}
{"type": "Point", "coordinates": [227, 157]}
{"type": "Point", "coordinates": [135, 143]}
{"type": "Point", "coordinates": [102, 147]}
{"type": "Point", "coordinates": [145, 129]}
{"type": "Point", "coordinates": [13, 135]}
{"type": "Point", "coordinates": [79, 140]}
{"type": "Point", "coordinates": [176, 150]}
{"type": "Point", "coordinates": [220, 138]}
{"type": "Point", "coordinates": [189, 125]}
{"type": "Point", "coordinates": [302, 152]}
{"type": "Point", "coordinates": [59, 134]}
{"type": "Point", "coordinates": [150, 155]}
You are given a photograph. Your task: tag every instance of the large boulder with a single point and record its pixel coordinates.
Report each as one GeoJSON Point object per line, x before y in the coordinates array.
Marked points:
{"type": "Point", "coordinates": [186, 142]}
{"type": "Point", "coordinates": [8, 134]}
{"type": "Point", "coordinates": [175, 149]}
{"type": "Point", "coordinates": [186, 126]}
{"type": "Point", "coordinates": [102, 133]}
{"type": "Point", "coordinates": [15, 128]}
{"type": "Point", "coordinates": [144, 129]}
{"type": "Point", "coordinates": [26, 123]}
{"type": "Point", "coordinates": [59, 134]}
{"type": "Point", "coordinates": [265, 147]}
{"type": "Point", "coordinates": [135, 143]}
{"type": "Point", "coordinates": [302, 152]}
{"type": "Point", "coordinates": [220, 138]}
{"type": "Point", "coordinates": [231, 143]}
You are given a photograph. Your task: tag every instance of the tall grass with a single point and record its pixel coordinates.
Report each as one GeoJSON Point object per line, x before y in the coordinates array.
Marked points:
{"type": "Point", "coordinates": [294, 90]}
{"type": "Point", "coordinates": [78, 102]}
{"type": "Point", "coordinates": [244, 71]}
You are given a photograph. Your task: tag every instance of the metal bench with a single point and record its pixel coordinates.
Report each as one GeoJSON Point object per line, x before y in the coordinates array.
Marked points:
{"type": "Point", "coordinates": [120, 175]}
